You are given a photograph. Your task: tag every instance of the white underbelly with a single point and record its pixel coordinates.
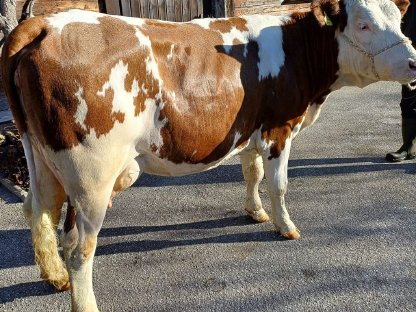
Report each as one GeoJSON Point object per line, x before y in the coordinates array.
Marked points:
{"type": "Point", "coordinates": [152, 164]}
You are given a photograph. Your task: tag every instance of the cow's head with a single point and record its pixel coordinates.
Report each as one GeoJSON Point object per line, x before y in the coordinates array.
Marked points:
{"type": "Point", "coordinates": [371, 44]}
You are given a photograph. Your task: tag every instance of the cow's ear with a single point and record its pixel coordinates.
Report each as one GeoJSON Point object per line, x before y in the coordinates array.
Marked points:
{"type": "Point", "coordinates": [402, 5]}
{"type": "Point", "coordinates": [326, 12]}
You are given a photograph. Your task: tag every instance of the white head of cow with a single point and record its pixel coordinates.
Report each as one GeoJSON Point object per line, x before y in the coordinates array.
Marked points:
{"type": "Point", "coordinates": [371, 44]}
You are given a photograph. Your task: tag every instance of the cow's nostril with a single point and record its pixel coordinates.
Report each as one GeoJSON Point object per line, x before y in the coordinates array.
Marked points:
{"type": "Point", "coordinates": [412, 65]}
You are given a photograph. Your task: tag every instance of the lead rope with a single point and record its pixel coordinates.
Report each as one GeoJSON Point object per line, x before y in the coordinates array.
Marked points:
{"type": "Point", "coordinates": [372, 56]}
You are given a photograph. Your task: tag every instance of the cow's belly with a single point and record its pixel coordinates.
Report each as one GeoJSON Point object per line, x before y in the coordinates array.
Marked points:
{"type": "Point", "coordinates": [151, 164]}
{"type": "Point", "coordinates": [157, 166]}
{"type": "Point", "coordinates": [189, 157]}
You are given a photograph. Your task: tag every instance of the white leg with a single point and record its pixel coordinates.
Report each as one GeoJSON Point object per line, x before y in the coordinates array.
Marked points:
{"type": "Point", "coordinates": [79, 239]}
{"type": "Point", "coordinates": [253, 174]}
{"type": "Point", "coordinates": [276, 175]}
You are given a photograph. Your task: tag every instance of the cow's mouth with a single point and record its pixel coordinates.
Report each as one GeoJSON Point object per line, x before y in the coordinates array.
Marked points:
{"type": "Point", "coordinates": [412, 64]}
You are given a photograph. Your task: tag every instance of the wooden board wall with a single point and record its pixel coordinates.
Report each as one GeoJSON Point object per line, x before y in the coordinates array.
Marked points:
{"type": "Point", "coordinates": [172, 10]}
{"type": "Point", "coordinates": [184, 10]}
{"type": "Point", "coordinates": [50, 6]}
{"type": "Point", "coordinates": [248, 7]}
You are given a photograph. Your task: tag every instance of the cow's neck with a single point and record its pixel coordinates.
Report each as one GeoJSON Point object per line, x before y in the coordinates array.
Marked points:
{"type": "Point", "coordinates": [311, 51]}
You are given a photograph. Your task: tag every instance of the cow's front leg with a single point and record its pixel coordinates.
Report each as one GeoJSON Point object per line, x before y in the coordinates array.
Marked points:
{"type": "Point", "coordinates": [276, 176]}
{"type": "Point", "coordinates": [253, 172]}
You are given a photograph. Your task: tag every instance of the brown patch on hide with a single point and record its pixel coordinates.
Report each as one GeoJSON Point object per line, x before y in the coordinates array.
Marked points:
{"type": "Point", "coordinates": [310, 52]}
{"type": "Point", "coordinates": [202, 77]}
{"type": "Point", "coordinates": [218, 95]}
{"type": "Point", "coordinates": [153, 148]}
{"type": "Point", "coordinates": [61, 66]}
{"type": "Point", "coordinates": [278, 136]}
{"type": "Point", "coordinates": [226, 25]}
{"type": "Point", "coordinates": [24, 38]}
{"type": "Point", "coordinates": [208, 98]}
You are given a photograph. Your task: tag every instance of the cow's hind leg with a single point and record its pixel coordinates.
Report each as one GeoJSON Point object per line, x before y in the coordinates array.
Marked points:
{"type": "Point", "coordinates": [276, 176]}
{"type": "Point", "coordinates": [42, 209]}
{"type": "Point", "coordinates": [253, 174]}
{"type": "Point", "coordinates": [84, 219]}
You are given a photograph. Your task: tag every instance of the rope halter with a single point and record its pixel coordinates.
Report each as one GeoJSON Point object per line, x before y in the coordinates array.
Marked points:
{"type": "Point", "coordinates": [371, 56]}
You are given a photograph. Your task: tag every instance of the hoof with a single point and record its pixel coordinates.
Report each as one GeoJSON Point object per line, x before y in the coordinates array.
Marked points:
{"type": "Point", "coordinates": [60, 285]}
{"type": "Point", "coordinates": [292, 235]}
{"type": "Point", "coordinates": [262, 218]}
{"type": "Point", "coordinates": [258, 215]}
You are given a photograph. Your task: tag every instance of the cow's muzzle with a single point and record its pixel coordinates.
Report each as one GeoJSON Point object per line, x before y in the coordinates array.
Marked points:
{"type": "Point", "coordinates": [371, 56]}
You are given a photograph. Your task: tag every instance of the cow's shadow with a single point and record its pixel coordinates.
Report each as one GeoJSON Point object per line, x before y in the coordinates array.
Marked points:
{"type": "Point", "coordinates": [151, 245]}
{"type": "Point", "coordinates": [24, 290]}
{"type": "Point", "coordinates": [17, 250]}
{"type": "Point", "coordinates": [297, 168]}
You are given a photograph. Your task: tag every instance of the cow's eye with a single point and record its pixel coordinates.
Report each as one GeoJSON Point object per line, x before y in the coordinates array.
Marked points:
{"type": "Point", "coordinates": [363, 27]}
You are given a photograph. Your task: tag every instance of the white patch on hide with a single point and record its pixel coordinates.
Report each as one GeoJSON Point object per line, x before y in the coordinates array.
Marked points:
{"type": "Point", "coordinates": [60, 20]}
{"type": "Point", "coordinates": [116, 82]}
{"type": "Point", "coordinates": [150, 61]}
{"type": "Point", "coordinates": [267, 32]}
{"type": "Point", "coordinates": [234, 34]}
{"type": "Point", "coordinates": [203, 22]}
{"type": "Point", "coordinates": [170, 55]}
{"type": "Point", "coordinates": [150, 125]}
{"type": "Point", "coordinates": [82, 109]}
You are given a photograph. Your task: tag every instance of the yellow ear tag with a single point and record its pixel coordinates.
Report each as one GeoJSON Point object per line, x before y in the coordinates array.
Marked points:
{"type": "Point", "coordinates": [328, 21]}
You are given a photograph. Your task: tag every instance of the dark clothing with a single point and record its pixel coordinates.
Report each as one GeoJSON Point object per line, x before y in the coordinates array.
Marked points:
{"type": "Point", "coordinates": [409, 22]}
{"type": "Point", "coordinates": [408, 102]}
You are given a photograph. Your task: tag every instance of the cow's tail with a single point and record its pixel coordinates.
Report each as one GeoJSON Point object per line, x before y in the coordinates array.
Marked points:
{"type": "Point", "coordinates": [27, 10]}
{"type": "Point", "coordinates": [18, 43]}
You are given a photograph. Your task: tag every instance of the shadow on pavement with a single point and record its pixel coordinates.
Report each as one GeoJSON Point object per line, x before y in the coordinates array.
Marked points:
{"type": "Point", "coordinates": [152, 245]}
{"type": "Point", "coordinates": [23, 290]}
{"type": "Point", "coordinates": [297, 168]}
{"type": "Point", "coordinates": [16, 249]}
{"type": "Point", "coordinates": [207, 224]}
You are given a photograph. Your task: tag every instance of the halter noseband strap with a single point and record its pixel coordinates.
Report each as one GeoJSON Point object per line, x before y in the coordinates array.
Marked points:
{"type": "Point", "coordinates": [371, 56]}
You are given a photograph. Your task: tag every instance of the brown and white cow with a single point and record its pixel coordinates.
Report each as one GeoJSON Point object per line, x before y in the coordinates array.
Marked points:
{"type": "Point", "coordinates": [100, 99]}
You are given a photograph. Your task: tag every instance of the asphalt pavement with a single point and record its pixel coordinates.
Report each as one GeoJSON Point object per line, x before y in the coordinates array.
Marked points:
{"type": "Point", "coordinates": [185, 244]}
